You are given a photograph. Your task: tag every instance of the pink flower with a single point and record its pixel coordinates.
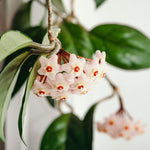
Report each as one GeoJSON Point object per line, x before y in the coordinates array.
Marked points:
{"type": "Point", "coordinates": [92, 70]}
{"type": "Point", "coordinates": [41, 89]}
{"type": "Point", "coordinates": [76, 76]}
{"type": "Point", "coordinates": [61, 82]}
{"type": "Point", "coordinates": [49, 67]}
{"type": "Point", "coordinates": [60, 95]}
{"type": "Point", "coordinates": [75, 65]}
{"type": "Point", "coordinates": [120, 125]}
{"type": "Point", "coordinates": [81, 85]}
{"type": "Point", "coordinates": [99, 57]}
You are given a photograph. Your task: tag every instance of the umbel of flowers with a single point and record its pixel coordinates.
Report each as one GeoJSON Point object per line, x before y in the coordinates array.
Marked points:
{"type": "Point", "coordinates": [63, 74]}
{"type": "Point", "coordinates": [121, 125]}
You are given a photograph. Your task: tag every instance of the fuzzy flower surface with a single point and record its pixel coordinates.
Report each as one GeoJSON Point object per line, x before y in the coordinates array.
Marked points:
{"type": "Point", "coordinates": [121, 125]}
{"type": "Point", "coordinates": [76, 75]}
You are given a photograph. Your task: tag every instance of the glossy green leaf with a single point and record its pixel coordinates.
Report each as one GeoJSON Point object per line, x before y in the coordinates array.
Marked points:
{"type": "Point", "coordinates": [88, 126]}
{"type": "Point", "coordinates": [58, 4]}
{"type": "Point", "coordinates": [29, 84]}
{"type": "Point", "coordinates": [99, 2]}
{"type": "Point", "coordinates": [75, 39]}
{"type": "Point", "coordinates": [21, 20]}
{"type": "Point", "coordinates": [12, 41]}
{"type": "Point", "coordinates": [8, 78]}
{"type": "Point", "coordinates": [125, 47]}
{"type": "Point", "coordinates": [65, 133]}
{"type": "Point", "coordinates": [66, 39]}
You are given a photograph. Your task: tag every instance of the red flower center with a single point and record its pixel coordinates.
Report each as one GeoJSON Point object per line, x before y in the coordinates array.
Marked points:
{"type": "Point", "coordinates": [80, 86]}
{"type": "Point", "coordinates": [49, 68]}
{"type": "Point", "coordinates": [77, 69]}
{"type": "Point", "coordinates": [137, 128]}
{"type": "Point", "coordinates": [105, 130]}
{"type": "Point", "coordinates": [121, 134]}
{"type": "Point", "coordinates": [63, 98]}
{"type": "Point", "coordinates": [42, 92]}
{"type": "Point", "coordinates": [111, 123]}
{"type": "Point", "coordinates": [95, 73]}
{"type": "Point", "coordinates": [126, 127]}
{"type": "Point", "coordinates": [60, 87]}
{"type": "Point", "coordinates": [103, 75]}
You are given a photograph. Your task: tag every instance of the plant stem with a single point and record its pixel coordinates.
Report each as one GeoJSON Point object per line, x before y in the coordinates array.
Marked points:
{"type": "Point", "coordinates": [59, 107]}
{"type": "Point", "coordinates": [71, 108]}
{"type": "Point", "coordinates": [72, 8]}
{"type": "Point", "coordinates": [53, 48]}
{"type": "Point", "coordinates": [43, 4]}
{"type": "Point", "coordinates": [43, 47]}
{"type": "Point", "coordinates": [107, 98]}
{"type": "Point", "coordinates": [116, 90]}
{"type": "Point", "coordinates": [49, 20]}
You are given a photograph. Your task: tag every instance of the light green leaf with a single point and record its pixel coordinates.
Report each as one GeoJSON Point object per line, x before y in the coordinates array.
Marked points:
{"type": "Point", "coordinates": [99, 2]}
{"type": "Point", "coordinates": [58, 4]}
{"type": "Point", "coordinates": [29, 84]}
{"type": "Point", "coordinates": [125, 47]}
{"type": "Point", "coordinates": [12, 41]}
{"type": "Point", "coordinates": [65, 133]}
{"type": "Point", "coordinates": [36, 33]}
{"type": "Point", "coordinates": [8, 78]}
{"type": "Point", "coordinates": [22, 18]}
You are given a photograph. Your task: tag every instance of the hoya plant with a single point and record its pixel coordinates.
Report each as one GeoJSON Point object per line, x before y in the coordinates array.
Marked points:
{"type": "Point", "coordinates": [61, 59]}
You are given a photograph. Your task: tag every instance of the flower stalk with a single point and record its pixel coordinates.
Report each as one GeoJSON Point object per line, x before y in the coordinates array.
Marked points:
{"type": "Point", "coordinates": [116, 90]}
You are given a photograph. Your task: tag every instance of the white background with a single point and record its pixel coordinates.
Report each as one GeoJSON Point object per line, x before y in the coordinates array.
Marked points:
{"type": "Point", "coordinates": [134, 85]}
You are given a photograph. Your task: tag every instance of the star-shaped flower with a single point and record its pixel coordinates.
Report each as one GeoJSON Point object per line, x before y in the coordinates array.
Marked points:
{"type": "Point", "coordinates": [49, 67]}
{"type": "Point", "coordinates": [74, 66]}
{"type": "Point", "coordinates": [41, 89]}
{"type": "Point", "coordinates": [120, 125]}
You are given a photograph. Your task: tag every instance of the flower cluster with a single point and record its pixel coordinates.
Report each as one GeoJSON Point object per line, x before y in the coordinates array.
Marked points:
{"type": "Point", "coordinates": [75, 75]}
{"type": "Point", "coordinates": [121, 125]}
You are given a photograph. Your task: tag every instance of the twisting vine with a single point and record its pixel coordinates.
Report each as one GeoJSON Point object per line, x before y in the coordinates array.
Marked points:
{"type": "Point", "coordinates": [49, 21]}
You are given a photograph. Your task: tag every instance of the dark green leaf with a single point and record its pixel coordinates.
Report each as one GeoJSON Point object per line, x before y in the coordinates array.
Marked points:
{"type": "Point", "coordinates": [29, 84]}
{"type": "Point", "coordinates": [8, 78]}
{"type": "Point", "coordinates": [88, 126]}
{"type": "Point", "coordinates": [75, 39]}
{"type": "Point", "coordinates": [36, 33]}
{"type": "Point", "coordinates": [125, 47]}
{"type": "Point", "coordinates": [21, 20]}
{"type": "Point", "coordinates": [51, 101]}
{"type": "Point", "coordinates": [65, 133]}
{"type": "Point", "coordinates": [24, 73]}
{"type": "Point", "coordinates": [59, 5]}
{"type": "Point", "coordinates": [12, 41]}
{"type": "Point", "coordinates": [99, 2]}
